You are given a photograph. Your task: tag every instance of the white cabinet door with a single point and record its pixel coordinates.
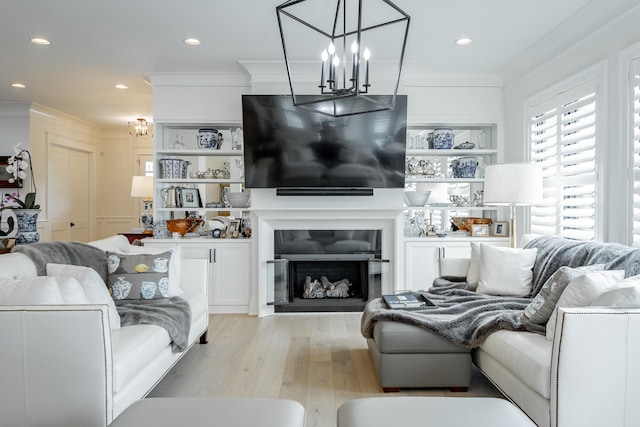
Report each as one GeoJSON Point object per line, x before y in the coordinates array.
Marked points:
{"type": "Point", "coordinates": [230, 274]}
{"type": "Point", "coordinates": [421, 265]}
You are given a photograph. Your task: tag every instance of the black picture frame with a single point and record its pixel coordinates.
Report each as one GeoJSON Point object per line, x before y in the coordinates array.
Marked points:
{"type": "Point", "coordinates": [6, 176]}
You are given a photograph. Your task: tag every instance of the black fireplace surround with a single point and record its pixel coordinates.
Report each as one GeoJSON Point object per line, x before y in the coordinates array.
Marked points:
{"type": "Point", "coordinates": [335, 254]}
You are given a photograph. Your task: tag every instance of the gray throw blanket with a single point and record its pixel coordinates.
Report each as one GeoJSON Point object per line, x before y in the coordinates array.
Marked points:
{"type": "Point", "coordinates": [461, 316]}
{"type": "Point", "coordinates": [468, 318]}
{"type": "Point", "coordinates": [173, 314]}
{"type": "Point", "coordinates": [71, 253]}
{"type": "Point", "coordinates": [555, 252]}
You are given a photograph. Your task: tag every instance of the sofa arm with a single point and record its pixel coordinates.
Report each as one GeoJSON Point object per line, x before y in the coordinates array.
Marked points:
{"type": "Point", "coordinates": [56, 366]}
{"type": "Point", "coordinates": [454, 266]}
{"type": "Point", "coordinates": [595, 373]}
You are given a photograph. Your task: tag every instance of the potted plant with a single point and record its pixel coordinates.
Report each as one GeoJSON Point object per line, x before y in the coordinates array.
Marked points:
{"type": "Point", "coordinates": [26, 210]}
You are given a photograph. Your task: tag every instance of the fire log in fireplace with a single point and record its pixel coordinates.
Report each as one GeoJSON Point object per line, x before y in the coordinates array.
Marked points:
{"type": "Point", "coordinates": [323, 288]}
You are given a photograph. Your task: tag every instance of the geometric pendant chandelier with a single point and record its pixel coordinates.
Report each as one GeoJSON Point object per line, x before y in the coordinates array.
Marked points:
{"type": "Point", "coordinates": [337, 52]}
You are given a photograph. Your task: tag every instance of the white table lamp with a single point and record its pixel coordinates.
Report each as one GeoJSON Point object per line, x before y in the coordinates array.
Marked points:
{"type": "Point", "coordinates": [513, 184]}
{"type": "Point", "coordinates": [142, 186]}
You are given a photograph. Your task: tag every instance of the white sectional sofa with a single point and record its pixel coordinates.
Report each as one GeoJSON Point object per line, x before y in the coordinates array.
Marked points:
{"type": "Point", "coordinates": [63, 365]}
{"type": "Point", "coordinates": [587, 374]}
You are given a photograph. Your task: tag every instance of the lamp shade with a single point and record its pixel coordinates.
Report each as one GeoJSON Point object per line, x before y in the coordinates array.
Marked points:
{"type": "Point", "coordinates": [142, 186]}
{"type": "Point", "coordinates": [513, 184]}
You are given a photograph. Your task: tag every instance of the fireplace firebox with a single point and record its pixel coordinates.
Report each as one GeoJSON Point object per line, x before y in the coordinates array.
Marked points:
{"type": "Point", "coordinates": [326, 270]}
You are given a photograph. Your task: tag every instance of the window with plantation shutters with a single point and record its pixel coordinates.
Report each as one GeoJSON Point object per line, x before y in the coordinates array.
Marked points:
{"type": "Point", "coordinates": [634, 84]}
{"type": "Point", "coordinates": [563, 142]}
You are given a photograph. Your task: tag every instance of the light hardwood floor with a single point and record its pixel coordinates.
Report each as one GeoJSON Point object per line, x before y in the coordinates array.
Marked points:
{"type": "Point", "coordinates": [320, 360]}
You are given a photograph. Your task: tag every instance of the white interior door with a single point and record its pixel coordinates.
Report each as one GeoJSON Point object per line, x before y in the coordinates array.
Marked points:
{"type": "Point", "coordinates": [69, 194]}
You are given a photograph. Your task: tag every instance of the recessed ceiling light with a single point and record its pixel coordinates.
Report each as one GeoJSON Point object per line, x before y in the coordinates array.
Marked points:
{"type": "Point", "coordinates": [121, 86]}
{"type": "Point", "coordinates": [193, 42]}
{"type": "Point", "coordinates": [464, 41]}
{"type": "Point", "coordinates": [18, 85]}
{"type": "Point", "coordinates": [40, 40]}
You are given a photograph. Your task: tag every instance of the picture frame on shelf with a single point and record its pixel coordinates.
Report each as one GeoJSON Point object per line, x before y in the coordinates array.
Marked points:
{"type": "Point", "coordinates": [500, 229]}
{"type": "Point", "coordinates": [190, 198]}
{"type": "Point", "coordinates": [479, 230]}
{"type": "Point", "coordinates": [233, 229]}
{"type": "Point", "coordinates": [6, 176]}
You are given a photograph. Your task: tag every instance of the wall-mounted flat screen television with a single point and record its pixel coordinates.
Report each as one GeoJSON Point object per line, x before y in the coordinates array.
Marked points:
{"type": "Point", "coordinates": [290, 147]}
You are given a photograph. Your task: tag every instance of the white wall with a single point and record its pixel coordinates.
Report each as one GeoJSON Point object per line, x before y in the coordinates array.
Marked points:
{"type": "Point", "coordinates": [601, 51]}
{"type": "Point", "coordinates": [113, 151]}
{"type": "Point", "coordinates": [116, 210]}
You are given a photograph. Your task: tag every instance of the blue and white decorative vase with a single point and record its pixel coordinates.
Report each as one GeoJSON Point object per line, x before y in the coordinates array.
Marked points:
{"type": "Point", "coordinates": [465, 167]}
{"type": "Point", "coordinates": [442, 138]}
{"type": "Point", "coordinates": [27, 220]}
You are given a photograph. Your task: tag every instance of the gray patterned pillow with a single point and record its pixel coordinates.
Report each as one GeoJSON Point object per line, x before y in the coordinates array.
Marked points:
{"type": "Point", "coordinates": [138, 276]}
{"type": "Point", "coordinates": [540, 309]}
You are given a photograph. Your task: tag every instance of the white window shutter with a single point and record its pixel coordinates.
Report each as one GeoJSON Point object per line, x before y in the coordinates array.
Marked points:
{"type": "Point", "coordinates": [563, 142]}
{"type": "Point", "coordinates": [634, 84]}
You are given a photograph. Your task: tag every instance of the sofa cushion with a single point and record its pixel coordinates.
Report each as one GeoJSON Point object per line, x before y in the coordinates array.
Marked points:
{"type": "Point", "coordinates": [71, 289]}
{"type": "Point", "coordinates": [623, 294]}
{"type": "Point", "coordinates": [138, 276]}
{"type": "Point", "coordinates": [93, 287]}
{"type": "Point", "coordinates": [473, 274]}
{"type": "Point", "coordinates": [506, 271]}
{"type": "Point", "coordinates": [398, 337]}
{"type": "Point", "coordinates": [581, 292]}
{"type": "Point", "coordinates": [540, 309]}
{"type": "Point", "coordinates": [526, 355]}
{"type": "Point", "coordinates": [16, 265]}
{"type": "Point", "coordinates": [133, 348]}
{"type": "Point", "coordinates": [40, 290]}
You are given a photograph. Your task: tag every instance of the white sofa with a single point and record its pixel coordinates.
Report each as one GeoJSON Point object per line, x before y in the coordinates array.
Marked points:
{"type": "Point", "coordinates": [588, 375]}
{"type": "Point", "coordinates": [62, 365]}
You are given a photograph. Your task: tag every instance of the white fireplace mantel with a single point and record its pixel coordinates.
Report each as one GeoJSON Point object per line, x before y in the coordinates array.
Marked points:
{"type": "Point", "coordinates": [382, 211]}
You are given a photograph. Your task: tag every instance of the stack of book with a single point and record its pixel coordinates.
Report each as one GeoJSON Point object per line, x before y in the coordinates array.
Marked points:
{"type": "Point", "coordinates": [406, 301]}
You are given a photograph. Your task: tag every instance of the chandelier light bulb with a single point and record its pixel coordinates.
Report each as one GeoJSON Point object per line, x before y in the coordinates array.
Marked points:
{"type": "Point", "coordinates": [354, 47]}
{"type": "Point", "coordinates": [325, 55]}
{"type": "Point", "coordinates": [336, 61]}
{"type": "Point", "coordinates": [366, 54]}
{"type": "Point", "coordinates": [332, 49]}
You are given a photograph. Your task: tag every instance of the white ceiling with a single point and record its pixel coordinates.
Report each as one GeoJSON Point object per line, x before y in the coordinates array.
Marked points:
{"type": "Point", "coordinates": [97, 44]}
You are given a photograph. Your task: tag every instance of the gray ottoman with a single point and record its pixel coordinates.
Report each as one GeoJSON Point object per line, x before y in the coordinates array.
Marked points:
{"type": "Point", "coordinates": [408, 356]}
{"type": "Point", "coordinates": [421, 411]}
{"type": "Point", "coordinates": [168, 412]}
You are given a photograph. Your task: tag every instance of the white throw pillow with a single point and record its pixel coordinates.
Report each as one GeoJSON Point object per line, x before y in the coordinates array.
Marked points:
{"type": "Point", "coordinates": [473, 275]}
{"type": "Point", "coordinates": [71, 289]}
{"type": "Point", "coordinates": [117, 243]}
{"type": "Point", "coordinates": [40, 290]}
{"type": "Point", "coordinates": [506, 271]}
{"type": "Point", "coordinates": [581, 292]}
{"type": "Point", "coordinates": [93, 286]}
{"type": "Point", "coordinates": [623, 294]}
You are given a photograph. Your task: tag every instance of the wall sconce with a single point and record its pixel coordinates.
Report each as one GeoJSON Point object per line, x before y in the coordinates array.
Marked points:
{"type": "Point", "coordinates": [140, 128]}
